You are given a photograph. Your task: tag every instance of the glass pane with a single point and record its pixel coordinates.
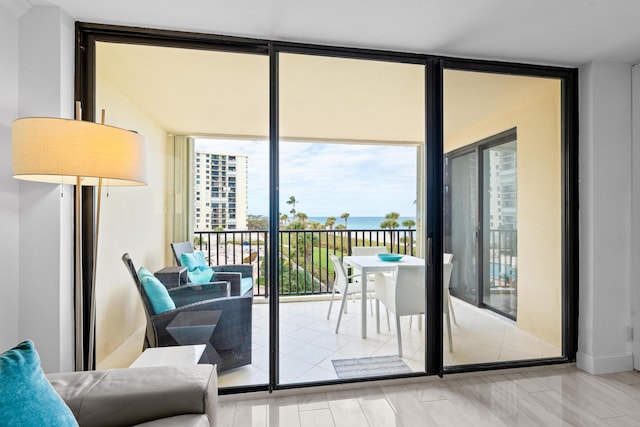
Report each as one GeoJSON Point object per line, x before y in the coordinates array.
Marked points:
{"type": "Point", "coordinates": [209, 192]}
{"type": "Point", "coordinates": [463, 191]}
{"type": "Point", "coordinates": [503, 216]}
{"type": "Point", "coordinates": [351, 134]}
{"type": "Point", "coordinates": [500, 228]}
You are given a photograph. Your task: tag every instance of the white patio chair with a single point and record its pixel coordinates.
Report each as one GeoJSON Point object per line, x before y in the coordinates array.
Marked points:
{"type": "Point", "coordinates": [448, 305]}
{"type": "Point", "coordinates": [368, 250]}
{"type": "Point", "coordinates": [372, 250]}
{"type": "Point", "coordinates": [346, 285]}
{"type": "Point", "coordinates": [446, 279]}
{"type": "Point", "coordinates": [404, 295]}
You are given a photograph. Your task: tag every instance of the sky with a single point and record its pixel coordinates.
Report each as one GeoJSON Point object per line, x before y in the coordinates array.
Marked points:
{"type": "Point", "coordinates": [329, 179]}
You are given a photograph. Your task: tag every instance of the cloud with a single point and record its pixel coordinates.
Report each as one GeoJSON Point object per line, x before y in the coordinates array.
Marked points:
{"type": "Point", "coordinates": [329, 179]}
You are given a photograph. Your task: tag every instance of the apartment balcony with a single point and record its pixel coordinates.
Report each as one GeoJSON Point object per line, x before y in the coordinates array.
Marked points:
{"type": "Point", "coordinates": [308, 342]}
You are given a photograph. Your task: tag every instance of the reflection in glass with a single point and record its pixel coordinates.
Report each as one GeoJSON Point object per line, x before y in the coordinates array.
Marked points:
{"type": "Point", "coordinates": [503, 215]}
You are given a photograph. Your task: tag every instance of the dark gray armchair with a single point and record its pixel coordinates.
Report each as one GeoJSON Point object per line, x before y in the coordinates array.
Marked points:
{"type": "Point", "coordinates": [204, 314]}
{"type": "Point", "coordinates": [240, 276]}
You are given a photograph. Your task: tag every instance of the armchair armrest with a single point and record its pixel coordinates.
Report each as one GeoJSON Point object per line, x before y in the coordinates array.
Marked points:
{"type": "Point", "coordinates": [245, 269]}
{"type": "Point", "coordinates": [233, 277]}
{"type": "Point", "coordinates": [129, 396]}
{"type": "Point", "coordinates": [195, 293]}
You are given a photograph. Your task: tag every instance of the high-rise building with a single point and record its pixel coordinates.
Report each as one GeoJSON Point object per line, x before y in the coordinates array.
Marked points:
{"type": "Point", "coordinates": [504, 187]}
{"type": "Point", "coordinates": [220, 191]}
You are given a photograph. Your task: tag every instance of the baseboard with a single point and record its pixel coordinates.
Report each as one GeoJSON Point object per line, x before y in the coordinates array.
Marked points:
{"type": "Point", "coordinates": [604, 364]}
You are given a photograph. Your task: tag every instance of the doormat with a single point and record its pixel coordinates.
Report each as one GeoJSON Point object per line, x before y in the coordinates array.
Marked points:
{"type": "Point", "coordinates": [370, 367]}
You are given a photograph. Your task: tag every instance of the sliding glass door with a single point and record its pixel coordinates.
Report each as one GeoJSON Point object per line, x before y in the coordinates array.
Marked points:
{"type": "Point", "coordinates": [499, 272]}
{"type": "Point", "coordinates": [481, 227]}
{"type": "Point", "coordinates": [503, 215]}
{"type": "Point", "coordinates": [290, 158]}
{"type": "Point", "coordinates": [351, 131]}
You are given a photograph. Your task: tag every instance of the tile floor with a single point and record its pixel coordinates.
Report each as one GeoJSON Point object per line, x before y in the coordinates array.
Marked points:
{"type": "Point", "coordinates": [309, 343]}
{"type": "Point", "coordinates": [560, 395]}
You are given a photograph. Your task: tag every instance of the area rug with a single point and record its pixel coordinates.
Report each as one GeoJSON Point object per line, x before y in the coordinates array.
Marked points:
{"type": "Point", "coordinates": [370, 367]}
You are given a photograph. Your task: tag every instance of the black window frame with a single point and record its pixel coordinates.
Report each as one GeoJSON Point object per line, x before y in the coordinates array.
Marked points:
{"type": "Point", "coordinates": [87, 34]}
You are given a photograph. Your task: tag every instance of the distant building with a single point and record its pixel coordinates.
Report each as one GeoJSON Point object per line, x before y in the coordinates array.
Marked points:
{"type": "Point", "coordinates": [220, 191]}
{"type": "Point", "coordinates": [504, 189]}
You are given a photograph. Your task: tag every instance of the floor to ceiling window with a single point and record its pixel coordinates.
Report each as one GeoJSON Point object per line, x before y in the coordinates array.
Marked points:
{"type": "Point", "coordinates": [206, 124]}
{"type": "Point", "coordinates": [351, 133]}
{"type": "Point", "coordinates": [347, 143]}
{"type": "Point", "coordinates": [503, 215]}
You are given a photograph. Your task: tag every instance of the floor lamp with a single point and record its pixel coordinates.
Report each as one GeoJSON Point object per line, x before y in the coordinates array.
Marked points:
{"type": "Point", "coordinates": [80, 153]}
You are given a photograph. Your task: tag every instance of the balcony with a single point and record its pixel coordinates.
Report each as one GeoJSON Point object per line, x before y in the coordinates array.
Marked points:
{"type": "Point", "coordinates": [308, 342]}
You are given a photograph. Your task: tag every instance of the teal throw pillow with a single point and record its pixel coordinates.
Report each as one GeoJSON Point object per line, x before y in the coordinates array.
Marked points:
{"type": "Point", "coordinates": [157, 294]}
{"type": "Point", "coordinates": [193, 260]}
{"type": "Point", "coordinates": [199, 272]}
{"type": "Point", "coordinates": [26, 397]}
{"type": "Point", "coordinates": [143, 272]}
{"type": "Point", "coordinates": [198, 277]}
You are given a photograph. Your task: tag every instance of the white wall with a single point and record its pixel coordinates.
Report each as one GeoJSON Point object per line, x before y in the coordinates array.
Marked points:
{"type": "Point", "coordinates": [635, 213]}
{"type": "Point", "coordinates": [133, 220]}
{"type": "Point", "coordinates": [605, 217]}
{"type": "Point", "coordinates": [46, 43]}
{"type": "Point", "coordinates": [45, 249]}
{"type": "Point", "coordinates": [9, 190]}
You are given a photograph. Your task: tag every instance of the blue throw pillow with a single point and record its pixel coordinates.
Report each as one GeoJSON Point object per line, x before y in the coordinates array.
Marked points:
{"type": "Point", "coordinates": [199, 272]}
{"type": "Point", "coordinates": [193, 260]}
{"type": "Point", "coordinates": [143, 272]}
{"type": "Point", "coordinates": [26, 397]}
{"type": "Point", "coordinates": [198, 277]}
{"type": "Point", "coordinates": [157, 294]}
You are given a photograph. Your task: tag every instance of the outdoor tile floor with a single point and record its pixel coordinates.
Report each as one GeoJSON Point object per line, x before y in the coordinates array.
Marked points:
{"type": "Point", "coordinates": [308, 342]}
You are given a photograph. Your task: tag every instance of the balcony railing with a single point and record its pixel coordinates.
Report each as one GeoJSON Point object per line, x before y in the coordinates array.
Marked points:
{"type": "Point", "coordinates": [305, 268]}
{"type": "Point", "coordinates": [503, 256]}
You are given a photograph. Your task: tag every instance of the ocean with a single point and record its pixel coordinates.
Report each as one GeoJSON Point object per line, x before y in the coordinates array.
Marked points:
{"type": "Point", "coordinates": [360, 222]}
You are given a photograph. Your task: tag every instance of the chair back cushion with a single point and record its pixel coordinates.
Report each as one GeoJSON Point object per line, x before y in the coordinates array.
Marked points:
{"type": "Point", "coordinates": [26, 397]}
{"type": "Point", "coordinates": [368, 250]}
{"type": "Point", "coordinates": [198, 270]}
{"type": "Point", "coordinates": [340, 280]}
{"type": "Point", "coordinates": [410, 289]}
{"type": "Point", "coordinates": [156, 293]}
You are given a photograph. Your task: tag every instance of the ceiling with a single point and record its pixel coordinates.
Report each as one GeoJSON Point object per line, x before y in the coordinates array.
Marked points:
{"type": "Point", "coordinates": [198, 92]}
{"type": "Point", "coordinates": [567, 32]}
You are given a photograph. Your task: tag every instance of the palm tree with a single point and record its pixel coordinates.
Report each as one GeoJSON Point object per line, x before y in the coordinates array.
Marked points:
{"type": "Point", "coordinates": [408, 223]}
{"type": "Point", "coordinates": [302, 217]}
{"type": "Point", "coordinates": [345, 216]}
{"type": "Point", "coordinates": [283, 219]}
{"type": "Point", "coordinates": [391, 221]}
{"type": "Point", "coordinates": [292, 201]}
{"type": "Point", "coordinates": [331, 221]}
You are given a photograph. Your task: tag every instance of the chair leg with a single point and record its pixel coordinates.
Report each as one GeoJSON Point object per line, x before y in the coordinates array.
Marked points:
{"type": "Point", "coordinates": [342, 307]}
{"type": "Point", "coordinates": [331, 303]}
{"type": "Point", "coordinates": [447, 313]}
{"type": "Point", "coordinates": [378, 316]}
{"type": "Point", "coordinates": [399, 336]}
{"type": "Point", "coordinates": [453, 313]}
{"type": "Point", "coordinates": [449, 333]}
